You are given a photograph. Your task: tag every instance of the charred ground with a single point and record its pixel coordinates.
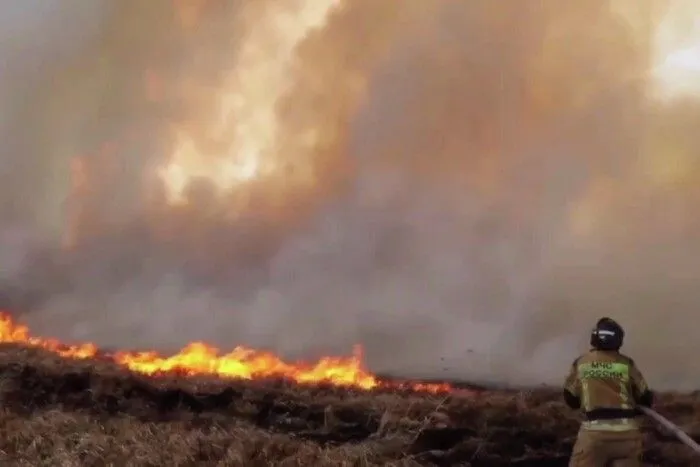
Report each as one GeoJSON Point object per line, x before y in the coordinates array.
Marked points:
{"type": "Point", "coordinates": [75, 413]}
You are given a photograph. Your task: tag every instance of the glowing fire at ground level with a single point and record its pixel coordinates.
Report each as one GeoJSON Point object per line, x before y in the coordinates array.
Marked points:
{"type": "Point", "coordinates": [199, 359]}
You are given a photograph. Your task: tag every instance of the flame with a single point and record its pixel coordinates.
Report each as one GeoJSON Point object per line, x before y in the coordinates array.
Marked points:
{"type": "Point", "coordinates": [245, 129]}
{"type": "Point", "coordinates": [198, 359]}
{"type": "Point", "coordinates": [11, 333]}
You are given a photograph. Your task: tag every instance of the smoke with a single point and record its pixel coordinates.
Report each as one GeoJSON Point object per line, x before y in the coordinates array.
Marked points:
{"type": "Point", "coordinates": [486, 182]}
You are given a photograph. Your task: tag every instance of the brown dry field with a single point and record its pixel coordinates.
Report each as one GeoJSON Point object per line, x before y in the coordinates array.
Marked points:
{"type": "Point", "coordinates": [91, 413]}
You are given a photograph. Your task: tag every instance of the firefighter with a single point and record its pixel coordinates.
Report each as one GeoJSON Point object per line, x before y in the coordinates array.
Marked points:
{"type": "Point", "coordinates": [607, 386]}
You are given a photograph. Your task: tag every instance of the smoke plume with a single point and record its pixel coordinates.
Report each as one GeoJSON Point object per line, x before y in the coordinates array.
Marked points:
{"type": "Point", "coordinates": [465, 186]}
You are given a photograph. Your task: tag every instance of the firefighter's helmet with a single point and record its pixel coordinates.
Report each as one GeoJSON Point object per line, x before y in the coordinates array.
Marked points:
{"type": "Point", "coordinates": [607, 335]}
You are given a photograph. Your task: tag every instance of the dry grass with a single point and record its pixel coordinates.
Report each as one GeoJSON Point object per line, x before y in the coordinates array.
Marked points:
{"type": "Point", "coordinates": [59, 413]}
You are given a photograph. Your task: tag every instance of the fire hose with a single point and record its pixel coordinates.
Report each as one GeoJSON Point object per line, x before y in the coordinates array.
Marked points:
{"type": "Point", "coordinates": [673, 428]}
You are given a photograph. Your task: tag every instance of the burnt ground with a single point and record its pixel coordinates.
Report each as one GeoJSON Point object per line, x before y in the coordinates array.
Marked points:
{"type": "Point", "coordinates": [72, 413]}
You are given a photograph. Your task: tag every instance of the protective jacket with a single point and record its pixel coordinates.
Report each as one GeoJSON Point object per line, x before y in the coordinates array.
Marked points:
{"type": "Point", "coordinates": [607, 386]}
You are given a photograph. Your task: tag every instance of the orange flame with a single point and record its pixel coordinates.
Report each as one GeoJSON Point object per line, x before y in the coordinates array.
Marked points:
{"type": "Point", "coordinates": [198, 358]}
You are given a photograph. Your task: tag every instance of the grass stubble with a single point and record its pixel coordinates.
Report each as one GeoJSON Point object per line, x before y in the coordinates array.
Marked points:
{"type": "Point", "coordinates": [58, 412]}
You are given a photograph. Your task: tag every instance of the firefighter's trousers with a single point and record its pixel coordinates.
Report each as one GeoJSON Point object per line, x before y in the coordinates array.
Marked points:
{"type": "Point", "coordinates": [608, 444]}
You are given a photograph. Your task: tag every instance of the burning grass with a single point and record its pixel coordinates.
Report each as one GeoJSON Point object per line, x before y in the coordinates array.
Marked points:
{"type": "Point", "coordinates": [88, 413]}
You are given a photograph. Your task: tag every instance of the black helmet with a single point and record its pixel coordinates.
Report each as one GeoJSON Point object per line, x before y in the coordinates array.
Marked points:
{"type": "Point", "coordinates": [607, 335]}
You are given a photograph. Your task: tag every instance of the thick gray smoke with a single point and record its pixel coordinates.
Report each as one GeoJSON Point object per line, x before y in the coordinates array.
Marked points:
{"type": "Point", "coordinates": [449, 236]}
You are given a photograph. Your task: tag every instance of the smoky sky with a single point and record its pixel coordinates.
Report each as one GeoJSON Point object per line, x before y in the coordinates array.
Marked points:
{"type": "Point", "coordinates": [484, 191]}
